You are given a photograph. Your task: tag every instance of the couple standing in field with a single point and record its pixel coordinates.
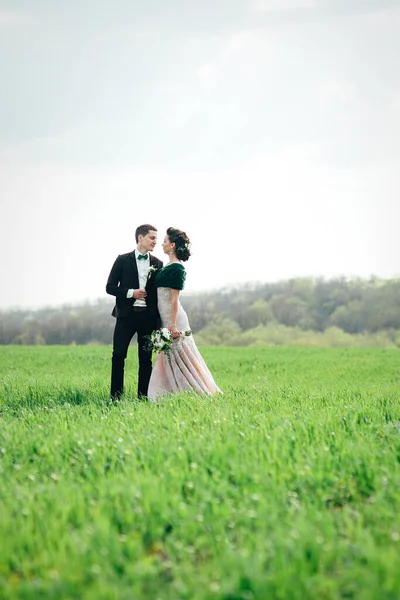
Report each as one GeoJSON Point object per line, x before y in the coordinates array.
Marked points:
{"type": "Point", "coordinates": [147, 298]}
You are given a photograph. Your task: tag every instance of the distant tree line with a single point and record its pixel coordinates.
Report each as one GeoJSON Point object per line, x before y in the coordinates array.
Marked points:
{"type": "Point", "coordinates": [340, 311]}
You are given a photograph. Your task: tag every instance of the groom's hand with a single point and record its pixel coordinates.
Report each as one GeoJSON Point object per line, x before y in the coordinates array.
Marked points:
{"type": "Point", "coordinates": [140, 294]}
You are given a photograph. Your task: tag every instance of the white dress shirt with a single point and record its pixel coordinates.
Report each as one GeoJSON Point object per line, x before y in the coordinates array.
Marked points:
{"type": "Point", "coordinates": [143, 267]}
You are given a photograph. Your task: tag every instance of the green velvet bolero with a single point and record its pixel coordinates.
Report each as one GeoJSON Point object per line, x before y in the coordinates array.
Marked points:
{"type": "Point", "coordinates": [173, 276]}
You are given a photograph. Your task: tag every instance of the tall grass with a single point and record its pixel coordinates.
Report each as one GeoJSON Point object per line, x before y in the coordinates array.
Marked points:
{"type": "Point", "coordinates": [286, 487]}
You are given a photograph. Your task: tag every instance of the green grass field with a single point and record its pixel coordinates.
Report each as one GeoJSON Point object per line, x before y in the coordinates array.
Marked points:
{"type": "Point", "coordinates": [286, 487]}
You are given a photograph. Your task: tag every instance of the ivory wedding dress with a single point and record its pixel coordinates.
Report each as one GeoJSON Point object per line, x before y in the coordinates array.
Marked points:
{"type": "Point", "coordinates": [183, 369]}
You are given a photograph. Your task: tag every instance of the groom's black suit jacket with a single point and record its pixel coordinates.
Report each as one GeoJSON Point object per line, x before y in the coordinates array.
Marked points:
{"type": "Point", "coordinates": [123, 277]}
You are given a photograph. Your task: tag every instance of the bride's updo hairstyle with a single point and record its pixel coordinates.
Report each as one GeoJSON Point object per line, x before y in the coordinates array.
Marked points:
{"type": "Point", "coordinates": [182, 243]}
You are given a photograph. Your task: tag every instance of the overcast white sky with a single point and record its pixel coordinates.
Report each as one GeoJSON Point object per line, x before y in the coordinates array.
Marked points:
{"type": "Point", "coordinates": [268, 129]}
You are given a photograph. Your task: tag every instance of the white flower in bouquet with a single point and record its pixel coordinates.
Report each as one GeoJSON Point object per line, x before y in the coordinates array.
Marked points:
{"type": "Point", "coordinates": [161, 340]}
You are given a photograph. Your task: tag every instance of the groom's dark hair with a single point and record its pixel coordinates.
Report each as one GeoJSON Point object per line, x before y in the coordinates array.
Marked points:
{"type": "Point", "coordinates": [144, 230]}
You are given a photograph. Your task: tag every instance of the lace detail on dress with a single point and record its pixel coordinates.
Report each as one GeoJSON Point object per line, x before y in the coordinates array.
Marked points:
{"type": "Point", "coordinates": [165, 310]}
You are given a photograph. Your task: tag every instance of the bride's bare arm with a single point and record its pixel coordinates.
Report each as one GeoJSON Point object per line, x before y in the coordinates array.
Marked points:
{"type": "Point", "coordinates": [174, 312]}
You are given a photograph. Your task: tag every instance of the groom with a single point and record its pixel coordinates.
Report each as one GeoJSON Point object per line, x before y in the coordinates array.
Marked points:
{"type": "Point", "coordinates": [131, 281]}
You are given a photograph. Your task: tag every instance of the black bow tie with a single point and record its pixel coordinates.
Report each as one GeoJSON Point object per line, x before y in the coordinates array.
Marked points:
{"type": "Point", "coordinates": [143, 256]}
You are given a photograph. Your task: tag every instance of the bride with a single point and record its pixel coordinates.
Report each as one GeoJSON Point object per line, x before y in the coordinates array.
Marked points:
{"type": "Point", "coordinates": [183, 369]}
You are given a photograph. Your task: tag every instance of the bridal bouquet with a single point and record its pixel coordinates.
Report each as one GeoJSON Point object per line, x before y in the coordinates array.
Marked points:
{"type": "Point", "coordinates": [161, 340]}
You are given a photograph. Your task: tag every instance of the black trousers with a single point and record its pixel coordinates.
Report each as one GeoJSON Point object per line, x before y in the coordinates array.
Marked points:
{"type": "Point", "coordinates": [125, 329]}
